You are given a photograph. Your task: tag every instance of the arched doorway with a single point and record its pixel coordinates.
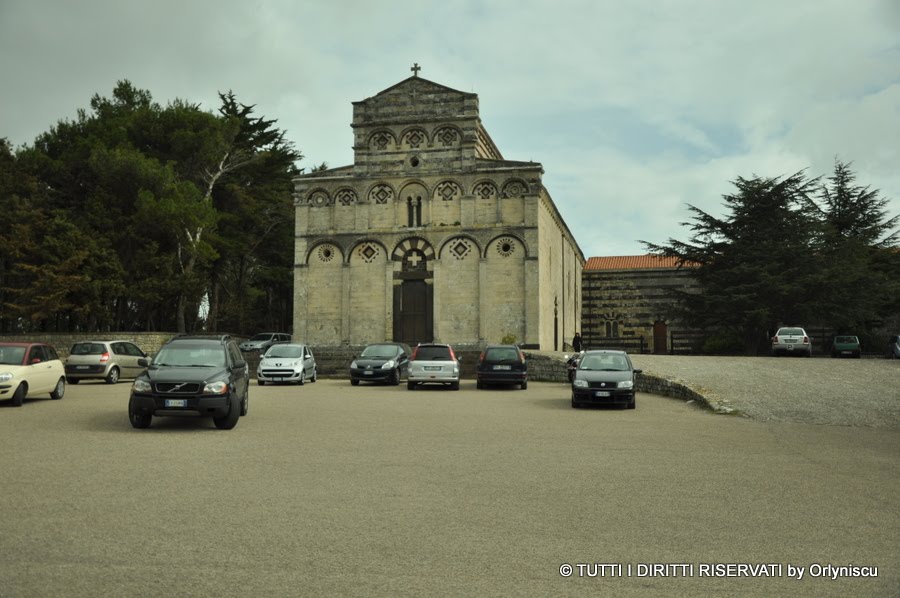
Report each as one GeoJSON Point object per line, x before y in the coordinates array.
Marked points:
{"type": "Point", "coordinates": [414, 296]}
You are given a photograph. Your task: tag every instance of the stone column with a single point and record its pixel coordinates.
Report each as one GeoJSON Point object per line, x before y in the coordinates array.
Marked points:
{"type": "Point", "coordinates": [345, 303]}
{"type": "Point", "coordinates": [389, 299]}
{"type": "Point", "coordinates": [482, 300]}
{"type": "Point", "coordinates": [301, 274]}
{"type": "Point", "coordinates": [532, 302]}
{"type": "Point", "coordinates": [438, 287]}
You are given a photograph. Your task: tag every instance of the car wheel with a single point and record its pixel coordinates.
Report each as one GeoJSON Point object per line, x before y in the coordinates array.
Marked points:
{"type": "Point", "coordinates": [354, 382]}
{"type": "Point", "coordinates": [575, 404]}
{"type": "Point", "coordinates": [229, 421]}
{"type": "Point", "coordinates": [395, 378]}
{"type": "Point", "coordinates": [73, 380]}
{"type": "Point", "coordinates": [19, 396]}
{"type": "Point", "coordinates": [245, 404]}
{"type": "Point", "coordinates": [113, 376]}
{"type": "Point", "coordinates": [138, 419]}
{"type": "Point", "coordinates": [260, 382]}
{"type": "Point", "coordinates": [524, 385]}
{"type": "Point", "coordinates": [60, 390]}
{"type": "Point", "coordinates": [302, 379]}
{"type": "Point", "coordinates": [454, 385]}
{"type": "Point", "coordinates": [410, 386]}
{"type": "Point", "coordinates": [479, 385]}
{"type": "Point", "coordinates": [315, 375]}
{"type": "Point", "coordinates": [632, 403]}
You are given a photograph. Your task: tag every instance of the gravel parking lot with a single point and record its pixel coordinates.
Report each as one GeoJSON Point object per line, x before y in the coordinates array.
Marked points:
{"type": "Point", "coordinates": [843, 392]}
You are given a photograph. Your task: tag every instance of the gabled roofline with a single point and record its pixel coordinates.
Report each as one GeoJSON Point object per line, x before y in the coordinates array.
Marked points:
{"type": "Point", "coordinates": [414, 78]}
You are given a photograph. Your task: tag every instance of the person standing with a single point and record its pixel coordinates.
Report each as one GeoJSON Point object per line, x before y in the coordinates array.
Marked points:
{"type": "Point", "coordinates": [576, 343]}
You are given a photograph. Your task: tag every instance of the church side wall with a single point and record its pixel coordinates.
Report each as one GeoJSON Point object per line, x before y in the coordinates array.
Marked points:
{"type": "Point", "coordinates": [560, 282]}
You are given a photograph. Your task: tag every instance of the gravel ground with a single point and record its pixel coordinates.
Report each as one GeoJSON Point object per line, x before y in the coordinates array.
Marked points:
{"type": "Point", "coordinates": [843, 392]}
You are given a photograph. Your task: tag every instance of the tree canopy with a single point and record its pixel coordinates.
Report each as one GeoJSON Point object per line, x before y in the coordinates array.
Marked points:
{"type": "Point", "coordinates": [789, 250]}
{"type": "Point", "coordinates": [133, 215]}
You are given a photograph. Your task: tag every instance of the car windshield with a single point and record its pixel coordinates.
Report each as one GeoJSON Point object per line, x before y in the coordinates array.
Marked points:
{"type": "Point", "coordinates": [501, 354]}
{"type": "Point", "coordinates": [790, 332]}
{"type": "Point", "coordinates": [604, 363]}
{"type": "Point", "coordinates": [433, 353]}
{"type": "Point", "coordinates": [11, 355]}
{"type": "Point", "coordinates": [380, 351]}
{"type": "Point", "coordinates": [190, 355]}
{"type": "Point", "coordinates": [88, 349]}
{"type": "Point", "coordinates": [261, 337]}
{"type": "Point", "coordinates": [285, 351]}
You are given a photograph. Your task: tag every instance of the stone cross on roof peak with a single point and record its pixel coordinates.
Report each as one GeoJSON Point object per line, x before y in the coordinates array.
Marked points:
{"type": "Point", "coordinates": [415, 69]}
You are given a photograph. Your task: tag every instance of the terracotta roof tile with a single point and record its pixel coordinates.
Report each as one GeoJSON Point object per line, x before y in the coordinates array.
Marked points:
{"type": "Point", "coordinates": [630, 262]}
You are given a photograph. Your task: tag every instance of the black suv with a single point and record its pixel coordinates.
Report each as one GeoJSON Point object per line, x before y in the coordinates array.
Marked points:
{"type": "Point", "coordinates": [192, 375]}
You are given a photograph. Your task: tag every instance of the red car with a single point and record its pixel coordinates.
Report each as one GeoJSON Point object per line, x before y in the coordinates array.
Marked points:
{"type": "Point", "coordinates": [28, 370]}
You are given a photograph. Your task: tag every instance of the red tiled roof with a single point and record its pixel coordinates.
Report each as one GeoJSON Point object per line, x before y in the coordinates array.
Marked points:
{"type": "Point", "coordinates": [630, 262]}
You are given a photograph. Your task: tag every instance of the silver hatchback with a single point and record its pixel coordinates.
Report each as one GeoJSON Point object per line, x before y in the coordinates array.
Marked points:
{"type": "Point", "coordinates": [791, 341]}
{"type": "Point", "coordinates": [433, 363]}
{"type": "Point", "coordinates": [286, 362]}
{"type": "Point", "coordinates": [103, 360]}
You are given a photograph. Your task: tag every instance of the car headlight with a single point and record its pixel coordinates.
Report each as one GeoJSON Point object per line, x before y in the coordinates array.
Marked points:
{"type": "Point", "coordinates": [141, 386]}
{"type": "Point", "coordinates": [580, 383]}
{"type": "Point", "coordinates": [353, 365]}
{"type": "Point", "coordinates": [389, 365]}
{"type": "Point", "coordinates": [216, 388]}
{"type": "Point", "coordinates": [6, 376]}
{"type": "Point", "coordinates": [625, 384]}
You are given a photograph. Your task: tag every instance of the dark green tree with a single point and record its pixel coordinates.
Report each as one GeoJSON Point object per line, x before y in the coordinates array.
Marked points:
{"type": "Point", "coordinates": [756, 265]}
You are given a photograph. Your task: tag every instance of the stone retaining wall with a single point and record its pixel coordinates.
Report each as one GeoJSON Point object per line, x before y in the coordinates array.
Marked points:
{"type": "Point", "coordinates": [150, 342]}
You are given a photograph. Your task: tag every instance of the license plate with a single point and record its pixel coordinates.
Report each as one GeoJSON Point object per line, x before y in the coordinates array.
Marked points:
{"type": "Point", "coordinates": [502, 367]}
{"type": "Point", "coordinates": [433, 368]}
{"type": "Point", "coordinates": [846, 352]}
{"type": "Point", "coordinates": [790, 340]}
{"type": "Point", "coordinates": [278, 379]}
{"type": "Point", "coordinates": [790, 347]}
{"type": "Point", "coordinates": [601, 393]}
{"type": "Point", "coordinates": [176, 402]}
{"type": "Point", "coordinates": [82, 367]}
{"type": "Point", "coordinates": [367, 373]}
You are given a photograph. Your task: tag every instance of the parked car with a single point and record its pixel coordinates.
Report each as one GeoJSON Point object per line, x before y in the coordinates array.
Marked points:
{"type": "Point", "coordinates": [103, 360]}
{"type": "Point", "coordinates": [28, 370]}
{"type": "Point", "coordinates": [192, 376]}
{"type": "Point", "coordinates": [381, 362]}
{"type": "Point", "coordinates": [262, 341]}
{"type": "Point", "coordinates": [433, 363]}
{"type": "Point", "coordinates": [287, 362]}
{"type": "Point", "coordinates": [791, 341]}
{"type": "Point", "coordinates": [604, 377]}
{"type": "Point", "coordinates": [893, 347]}
{"type": "Point", "coordinates": [846, 346]}
{"type": "Point", "coordinates": [501, 364]}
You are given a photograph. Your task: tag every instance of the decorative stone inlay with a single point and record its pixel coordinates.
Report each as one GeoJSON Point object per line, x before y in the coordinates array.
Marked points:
{"type": "Point", "coordinates": [485, 190]}
{"type": "Point", "coordinates": [381, 140]}
{"type": "Point", "coordinates": [326, 253]}
{"type": "Point", "coordinates": [319, 199]}
{"type": "Point", "coordinates": [447, 136]}
{"type": "Point", "coordinates": [414, 260]}
{"type": "Point", "coordinates": [368, 252]}
{"type": "Point", "coordinates": [506, 246]}
{"type": "Point", "coordinates": [460, 249]}
{"type": "Point", "coordinates": [381, 194]}
{"type": "Point", "coordinates": [514, 189]}
{"type": "Point", "coordinates": [414, 138]}
{"type": "Point", "coordinates": [447, 190]}
{"type": "Point", "coordinates": [346, 197]}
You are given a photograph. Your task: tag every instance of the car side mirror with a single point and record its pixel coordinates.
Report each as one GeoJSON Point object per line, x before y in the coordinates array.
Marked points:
{"type": "Point", "coordinates": [459, 359]}
{"type": "Point", "coordinates": [240, 364]}
{"type": "Point", "coordinates": [35, 360]}
{"type": "Point", "coordinates": [638, 371]}
{"type": "Point", "coordinates": [143, 362]}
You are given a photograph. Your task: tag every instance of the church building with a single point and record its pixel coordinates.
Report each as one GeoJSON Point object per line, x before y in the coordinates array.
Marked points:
{"type": "Point", "coordinates": [431, 235]}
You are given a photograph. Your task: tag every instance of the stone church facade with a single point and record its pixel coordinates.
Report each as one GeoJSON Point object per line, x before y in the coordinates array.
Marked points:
{"type": "Point", "coordinates": [430, 235]}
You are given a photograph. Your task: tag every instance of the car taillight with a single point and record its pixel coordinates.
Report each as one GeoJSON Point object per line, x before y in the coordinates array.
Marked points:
{"type": "Point", "coordinates": [104, 358]}
{"type": "Point", "coordinates": [774, 340]}
{"type": "Point", "coordinates": [452, 355]}
{"type": "Point", "coordinates": [806, 339]}
{"type": "Point", "coordinates": [413, 356]}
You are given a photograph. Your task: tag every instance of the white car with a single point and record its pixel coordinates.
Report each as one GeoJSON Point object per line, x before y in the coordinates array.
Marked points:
{"type": "Point", "coordinates": [28, 370]}
{"type": "Point", "coordinates": [262, 341]}
{"type": "Point", "coordinates": [791, 341]}
{"type": "Point", "coordinates": [286, 362]}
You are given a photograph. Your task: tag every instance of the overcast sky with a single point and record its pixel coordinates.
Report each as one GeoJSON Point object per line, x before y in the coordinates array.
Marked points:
{"type": "Point", "coordinates": [634, 108]}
